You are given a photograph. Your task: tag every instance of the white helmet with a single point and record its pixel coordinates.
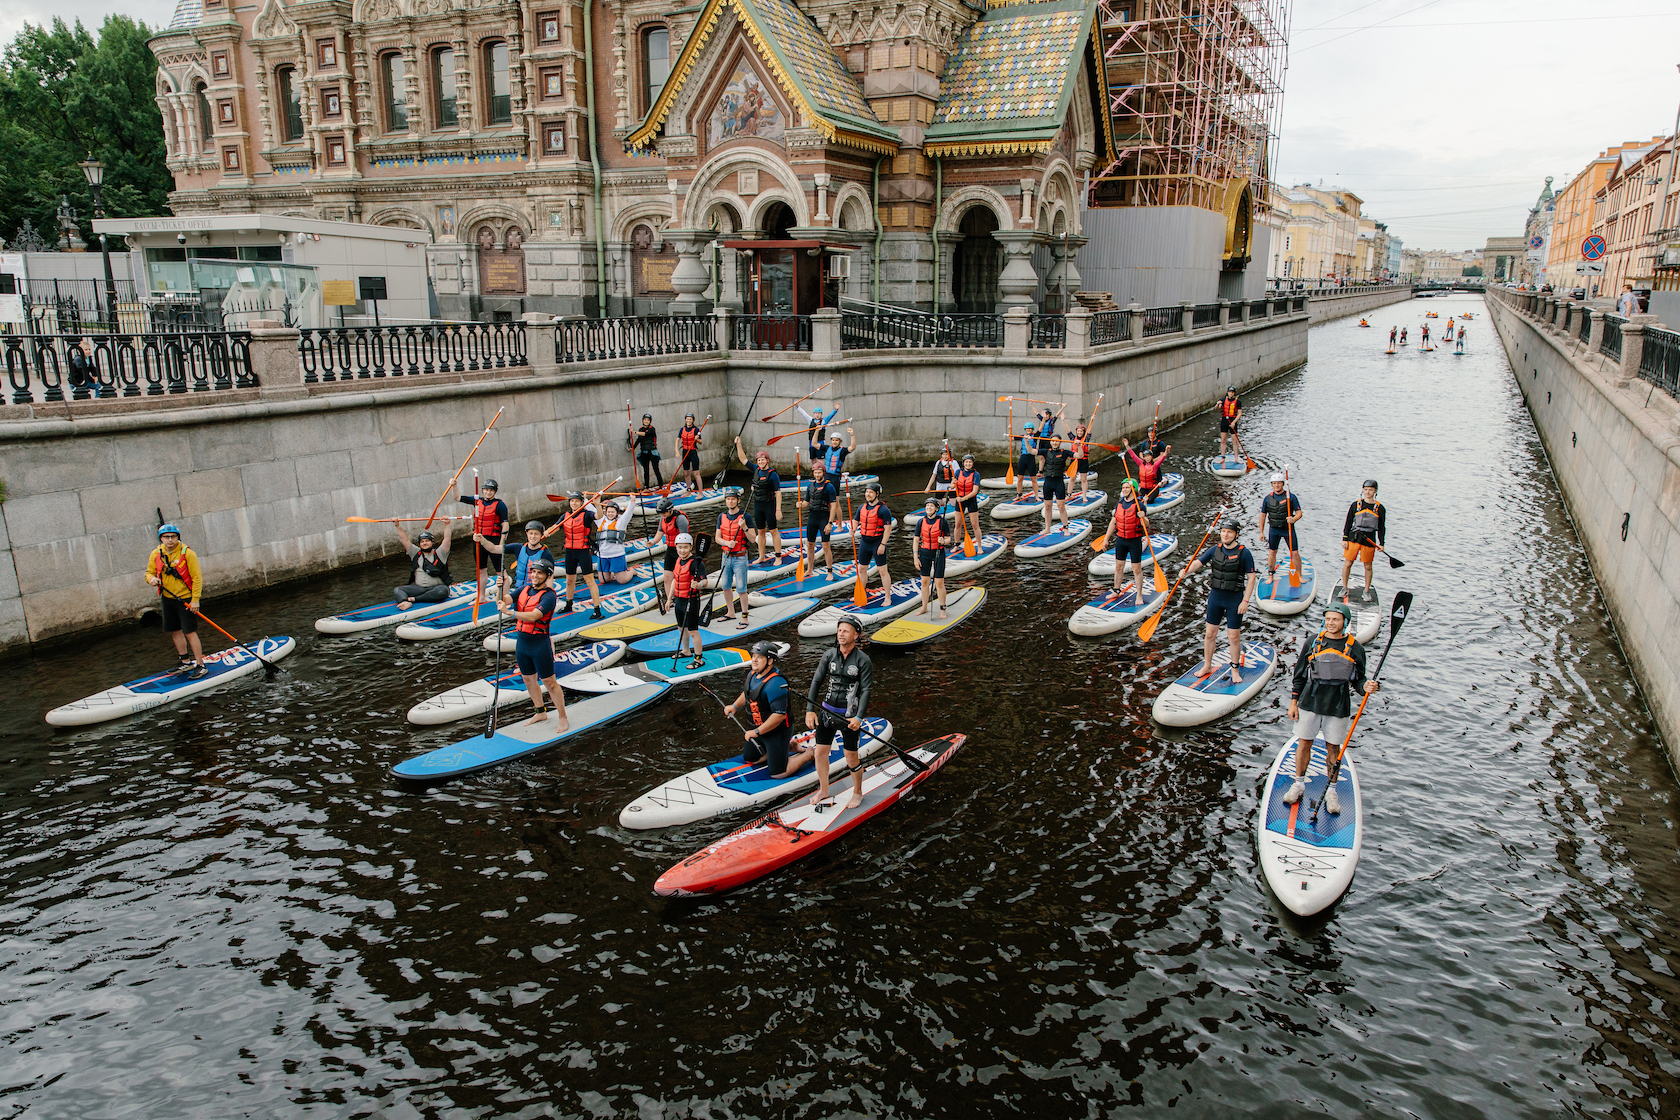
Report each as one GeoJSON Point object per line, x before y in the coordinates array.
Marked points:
{"type": "Point", "coordinates": [684, 538]}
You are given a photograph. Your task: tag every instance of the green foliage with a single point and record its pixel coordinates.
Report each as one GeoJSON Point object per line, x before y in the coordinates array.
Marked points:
{"type": "Point", "coordinates": [63, 95]}
{"type": "Point", "coordinates": [1473, 270]}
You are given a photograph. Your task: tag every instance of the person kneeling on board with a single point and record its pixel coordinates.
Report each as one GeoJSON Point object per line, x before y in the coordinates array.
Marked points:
{"type": "Point", "coordinates": [840, 691]}
{"type": "Point", "coordinates": [490, 526]}
{"type": "Point", "coordinates": [428, 577]}
{"type": "Point", "coordinates": [1327, 671]}
{"type": "Point", "coordinates": [766, 699]}
{"type": "Point", "coordinates": [1279, 511]}
{"type": "Point", "coordinates": [687, 580]}
{"type": "Point", "coordinates": [1056, 460]}
{"type": "Point", "coordinates": [533, 549]}
{"type": "Point", "coordinates": [933, 537]}
{"type": "Point", "coordinates": [532, 608]}
{"type": "Point", "coordinates": [732, 528]}
{"type": "Point", "coordinates": [1129, 526]}
{"type": "Point", "coordinates": [967, 489]}
{"type": "Point", "coordinates": [610, 533]}
{"type": "Point", "coordinates": [874, 525]}
{"type": "Point", "coordinates": [576, 527]}
{"type": "Point", "coordinates": [1231, 588]}
{"type": "Point", "coordinates": [175, 562]}
{"type": "Point", "coordinates": [1364, 531]}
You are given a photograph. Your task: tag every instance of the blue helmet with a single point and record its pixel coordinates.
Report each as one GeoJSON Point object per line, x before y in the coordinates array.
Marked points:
{"type": "Point", "coordinates": [168, 528]}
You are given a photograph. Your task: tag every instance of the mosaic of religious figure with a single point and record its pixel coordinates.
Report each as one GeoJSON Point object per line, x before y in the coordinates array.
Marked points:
{"type": "Point", "coordinates": [745, 109]}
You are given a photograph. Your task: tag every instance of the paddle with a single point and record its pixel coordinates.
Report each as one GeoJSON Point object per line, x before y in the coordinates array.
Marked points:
{"type": "Point", "coordinates": [1392, 562]}
{"type": "Point", "coordinates": [1009, 438]}
{"type": "Point", "coordinates": [1090, 430]}
{"type": "Point", "coordinates": [860, 590]}
{"type": "Point", "coordinates": [630, 435]}
{"type": "Point", "coordinates": [383, 520]}
{"type": "Point", "coordinates": [909, 760]}
{"type": "Point", "coordinates": [1033, 400]}
{"type": "Point", "coordinates": [491, 719]}
{"type": "Point", "coordinates": [463, 466]}
{"type": "Point", "coordinates": [1147, 630]}
{"type": "Point", "coordinates": [1294, 551]}
{"type": "Point", "coordinates": [795, 404]}
{"type": "Point", "coordinates": [703, 545]}
{"type": "Point", "coordinates": [724, 706]}
{"type": "Point", "coordinates": [802, 432]}
{"type": "Point", "coordinates": [478, 580]}
{"type": "Point", "coordinates": [1396, 618]}
{"type": "Point", "coordinates": [269, 668]}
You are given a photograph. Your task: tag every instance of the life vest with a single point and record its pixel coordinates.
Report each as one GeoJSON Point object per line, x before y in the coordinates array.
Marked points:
{"type": "Point", "coordinates": [930, 531]}
{"type": "Point", "coordinates": [178, 568]}
{"type": "Point", "coordinates": [1080, 447]}
{"type": "Point", "coordinates": [943, 472]}
{"type": "Point", "coordinates": [1277, 510]}
{"type": "Point", "coordinates": [1228, 408]}
{"type": "Point", "coordinates": [673, 525]}
{"type": "Point", "coordinates": [967, 482]}
{"type": "Point", "coordinates": [1331, 659]}
{"type": "Point", "coordinates": [1128, 519]}
{"type": "Point", "coordinates": [870, 521]}
{"type": "Point", "coordinates": [428, 561]}
{"type": "Point", "coordinates": [834, 459]}
{"type": "Point", "coordinates": [1366, 517]}
{"type": "Point", "coordinates": [1148, 471]}
{"type": "Point", "coordinates": [757, 705]}
{"type": "Point", "coordinates": [522, 565]}
{"type": "Point", "coordinates": [763, 489]}
{"type": "Point", "coordinates": [687, 586]}
{"type": "Point", "coordinates": [607, 532]}
{"type": "Point", "coordinates": [485, 521]}
{"type": "Point", "coordinates": [527, 601]}
{"type": "Point", "coordinates": [690, 437]}
{"type": "Point", "coordinates": [1227, 568]}
{"type": "Point", "coordinates": [732, 533]}
{"type": "Point", "coordinates": [648, 438]}
{"type": "Point", "coordinates": [575, 529]}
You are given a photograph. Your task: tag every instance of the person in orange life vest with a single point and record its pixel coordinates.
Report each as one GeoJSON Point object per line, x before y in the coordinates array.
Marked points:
{"type": "Point", "coordinates": [821, 495]}
{"type": "Point", "coordinates": [428, 576]}
{"type": "Point", "coordinates": [1328, 669]}
{"type": "Point", "coordinates": [1279, 511]}
{"type": "Point", "coordinates": [1148, 466]}
{"type": "Point", "coordinates": [1403, 332]}
{"type": "Point", "coordinates": [532, 609]}
{"type": "Point", "coordinates": [944, 474]}
{"type": "Point", "coordinates": [1080, 446]}
{"type": "Point", "coordinates": [173, 569]}
{"type": "Point", "coordinates": [1129, 526]}
{"type": "Point", "coordinates": [490, 526]}
{"type": "Point", "coordinates": [672, 525]}
{"type": "Point", "coordinates": [1026, 464]}
{"type": "Point", "coordinates": [688, 580]}
{"type": "Point", "coordinates": [1056, 461]}
{"type": "Point", "coordinates": [1230, 415]}
{"type": "Point", "coordinates": [766, 501]}
{"type": "Point", "coordinates": [1393, 333]}
{"type": "Point", "coordinates": [874, 525]}
{"type": "Point", "coordinates": [734, 529]}
{"type": "Point", "coordinates": [577, 526]}
{"type": "Point", "coordinates": [932, 537]}
{"type": "Point", "coordinates": [967, 489]}
{"type": "Point", "coordinates": [646, 445]}
{"type": "Point", "coordinates": [1233, 578]}
{"type": "Point", "coordinates": [767, 702]}
{"type": "Point", "coordinates": [688, 441]}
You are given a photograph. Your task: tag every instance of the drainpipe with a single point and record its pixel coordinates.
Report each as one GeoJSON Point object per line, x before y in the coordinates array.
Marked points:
{"type": "Point", "coordinates": [879, 229]}
{"type": "Point", "coordinates": [595, 160]}
{"type": "Point", "coordinates": [938, 205]}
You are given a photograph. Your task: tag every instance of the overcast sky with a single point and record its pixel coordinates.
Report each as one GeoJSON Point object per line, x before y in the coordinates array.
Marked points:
{"type": "Point", "coordinates": [1445, 116]}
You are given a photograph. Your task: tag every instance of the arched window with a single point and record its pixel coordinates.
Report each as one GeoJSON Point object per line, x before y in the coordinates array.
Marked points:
{"type": "Point", "coordinates": [499, 105]}
{"type": "Point", "coordinates": [443, 87]}
{"type": "Point", "coordinates": [291, 109]}
{"type": "Point", "coordinates": [394, 91]}
{"type": "Point", "coordinates": [656, 62]}
{"type": "Point", "coordinates": [206, 120]}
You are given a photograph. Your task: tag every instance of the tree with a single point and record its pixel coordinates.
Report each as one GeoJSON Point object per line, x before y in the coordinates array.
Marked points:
{"type": "Point", "coordinates": [1473, 270]}
{"type": "Point", "coordinates": [63, 96]}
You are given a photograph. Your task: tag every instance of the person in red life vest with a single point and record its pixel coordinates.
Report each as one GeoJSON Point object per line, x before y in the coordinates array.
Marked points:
{"type": "Point", "coordinates": [1148, 466]}
{"type": "Point", "coordinates": [1232, 584]}
{"type": "Point", "coordinates": [767, 702]}
{"type": "Point", "coordinates": [734, 527]}
{"type": "Point", "coordinates": [874, 526]}
{"type": "Point", "coordinates": [1230, 415]}
{"type": "Point", "coordinates": [822, 494]}
{"type": "Point", "coordinates": [173, 569]}
{"type": "Point", "coordinates": [688, 440]}
{"type": "Point", "coordinates": [671, 526]}
{"type": "Point", "coordinates": [1129, 526]}
{"type": "Point", "coordinates": [688, 578]}
{"type": "Point", "coordinates": [490, 526]}
{"type": "Point", "coordinates": [933, 537]}
{"type": "Point", "coordinates": [966, 487]}
{"type": "Point", "coordinates": [645, 443]}
{"type": "Point", "coordinates": [1080, 446]}
{"type": "Point", "coordinates": [428, 576]}
{"type": "Point", "coordinates": [577, 528]}
{"type": "Point", "coordinates": [766, 501]}
{"type": "Point", "coordinates": [532, 609]}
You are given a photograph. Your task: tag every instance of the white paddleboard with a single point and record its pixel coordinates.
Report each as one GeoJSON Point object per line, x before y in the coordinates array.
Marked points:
{"type": "Point", "coordinates": [389, 613]}
{"type": "Point", "coordinates": [1102, 564]}
{"type": "Point", "coordinates": [1309, 860]}
{"type": "Point", "coordinates": [1115, 610]}
{"type": "Point", "coordinates": [1289, 600]}
{"type": "Point", "coordinates": [987, 549]}
{"type": "Point", "coordinates": [948, 505]}
{"type": "Point", "coordinates": [1060, 538]}
{"type": "Point", "coordinates": [664, 669]}
{"type": "Point", "coordinates": [906, 596]}
{"type": "Point", "coordinates": [169, 686]}
{"type": "Point", "coordinates": [1163, 501]}
{"type": "Point", "coordinates": [1190, 700]}
{"type": "Point", "coordinates": [475, 697]}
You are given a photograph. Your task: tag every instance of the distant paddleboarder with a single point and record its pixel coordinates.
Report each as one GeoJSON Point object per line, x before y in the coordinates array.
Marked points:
{"type": "Point", "coordinates": [967, 489]}
{"type": "Point", "coordinates": [1148, 458]}
{"type": "Point", "coordinates": [1230, 415]}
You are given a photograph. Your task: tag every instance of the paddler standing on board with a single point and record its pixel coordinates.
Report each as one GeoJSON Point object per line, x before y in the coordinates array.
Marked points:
{"type": "Point", "coordinates": [1129, 526]}
{"type": "Point", "coordinates": [1328, 670]}
{"type": "Point", "coordinates": [1279, 511]}
{"type": "Point", "coordinates": [1080, 446]}
{"type": "Point", "coordinates": [673, 525]}
{"type": "Point", "coordinates": [1393, 332]}
{"type": "Point", "coordinates": [490, 526]}
{"type": "Point", "coordinates": [933, 537]}
{"type": "Point", "coordinates": [1026, 464]}
{"type": "Point", "coordinates": [1363, 532]}
{"type": "Point", "coordinates": [688, 442]}
{"type": "Point", "coordinates": [577, 528]}
{"type": "Point", "coordinates": [1230, 415]}
{"type": "Point", "coordinates": [173, 569]}
{"type": "Point", "coordinates": [1056, 460]}
{"type": "Point", "coordinates": [944, 475]}
{"type": "Point", "coordinates": [874, 526]}
{"type": "Point", "coordinates": [822, 494]}
{"type": "Point", "coordinates": [837, 701]}
{"type": "Point", "coordinates": [532, 609]}
{"type": "Point", "coordinates": [967, 489]}
{"type": "Point", "coordinates": [688, 578]}
{"type": "Point", "coordinates": [768, 703]}
{"type": "Point", "coordinates": [733, 526]}
{"type": "Point", "coordinates": [428, 576]}
{"type": "Point", "coordinates": [766, 486]}
{"type": "Point", "coordinates": [1231, 587]}
{"type": "Point", "coordinates": [1148, 465]}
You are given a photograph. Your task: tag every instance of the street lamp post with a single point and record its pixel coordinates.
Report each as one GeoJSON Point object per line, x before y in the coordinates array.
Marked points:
{"type": "Point", "coordinates": [95, 172]}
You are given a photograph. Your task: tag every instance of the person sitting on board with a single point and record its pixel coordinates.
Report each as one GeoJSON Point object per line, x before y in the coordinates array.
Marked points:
{"type": "Point", "coordinates": [577, 528]}
{"type": "Point", "coordinates": [688, 579]}
{"type": "Point", "coordinates": [1129, 526]}
{"type": "Point", "coordinates": [646, 445]}
{"type": "Point", "coordinates": [428, 577]}
{"type": "Point", "coordinates": [933, 536]}
{"type": "Point", "coordinates": [944, 474]}
{"type": "Point", "coordinates": [768, 703]}
{"type": "Point", "coordinates": [1327, 670]}
{"type": "Point", "coordinates": [1026, 465]}
{"type": "Point", "coordinates": [532, 608]}
{"type": "Point", "coordinates": [834, 456]}
{"type": "Point", "coordinates": [822, 493]}
{"type": "Point", "coordinates": [612, 530]}
{"type": "Point", "coordinates": [840, 693]}
{"type": "Point", "coordinates": [1230, 415]}
{"type": "Point", "coordinates": [673, 525]}
{"type": "Point", "coordinates": [1231, 586]}
{"type": "Point", "coordinates": [688, 442]}
{"type": "Point", "coordinates": [1279, 511]}
{"type": "Point", "coordinates": [1364, 530]}
{"type": "Point", "coordinates": [1080, 446]}
{"type": "Point", "coordinates": [520, 574]}
{"type": "Point", "coordinates": [967, 489]}
{"type": "Point", "coordinates": [1055, 492]}
{"type": "Point", "coordinates": [173, 569]}
{"type": "Point", "coordinates": [1148, 458]}
{"type": "Point", "coordinates": [733, 529]}
{"type": "Point", "coordinates": [766, 501]}
{"type": "Point", "coordinates": [490, 526]}
{"type": "Point", "coordinates": [874, 526]}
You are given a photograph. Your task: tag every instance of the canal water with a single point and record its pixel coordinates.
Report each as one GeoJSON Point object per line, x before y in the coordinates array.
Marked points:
{"type": "Point", "coordinates": [227, 908]}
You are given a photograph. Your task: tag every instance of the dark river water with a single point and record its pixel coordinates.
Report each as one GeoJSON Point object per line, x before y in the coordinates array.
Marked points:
{"type": "Point", "coordinates": [227, 908]}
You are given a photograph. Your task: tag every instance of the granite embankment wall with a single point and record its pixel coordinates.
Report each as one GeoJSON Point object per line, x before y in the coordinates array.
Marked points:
{"type": "Point", "coordinates": [1324, 306]}
{"type": "Point", "coordinates": [262, 487]}
{"type": "Point", "coordinates": [1614, 446]}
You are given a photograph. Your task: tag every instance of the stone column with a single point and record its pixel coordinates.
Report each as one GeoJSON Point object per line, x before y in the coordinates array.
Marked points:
{"type": "Point", "coordinates": [1016, 330]}
{"type": "Point", "coordinates": [1064, 276]}
{"type": "Point", "coordinates": [1633, 347]}
{"type": "Point", "coordinates": [1078, 332]}
{"type": "Point", "coordinates": [539, 342]}
{"type": "Point", "coordinates": [690, 278]}
{"type": "Point", "coordinates": [274, 355]}
{"type": "Point", "coordinates": [1595, 337]}
{"type": "Point", "coordinates": [1247, 306]}
{"type": "Point", "coordinates": [1186, 316]}
{"type": "Point", "coordinates": [1224, 312]}
{"type": "Point", "coordinates": [825, 333]}
{"type": "Point", "coordinates": [725, 334]}
{"type": "Point", "coordinates": [1135, 311]}
{"type": "Point", "coordinates": [1018, 281]}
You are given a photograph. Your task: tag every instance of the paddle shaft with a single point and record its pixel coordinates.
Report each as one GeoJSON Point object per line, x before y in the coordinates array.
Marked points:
{"type": "Point", "coordinates": [1147, 630]}
{"type": "Point", "coordinates": [795, 404]}
{"type": "Point", "coordinates": [802, 432]}
{"type": "Point", "coordinates": [268, 666]}
{"type": "Point", "coordinates": [595, 494]}
{"type": "Point", "coordinates": [718, 481]}
{"type": "Point", "coordinates": [909, 760]}
{"type": "Point", "coordinates": [1396, 618]}
{"type": "Point", "coordinates": [463, 466]}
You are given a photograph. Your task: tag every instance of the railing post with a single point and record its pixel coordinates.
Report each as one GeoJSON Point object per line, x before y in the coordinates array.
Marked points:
{"type": "Point", "coordinates": [1078, 342]}
{"type": "Point", "coordinates": [721, 333]}
{"type": "Point", "coordinates": [541, 333]}
{"type": "Point", "coordinates": [1017, 328]}
{"type": "Point", "coordinates": [1135, 311]}
{"type": "Point", "coordinates": [1595, 336]}
{"type": "Point", "coordinates": [1187, 317]}
{"type": "Point", "coordinates": [1224, 313]}
{"type": "Point", "coordinates": [274, 355]}
{"type": "Point", "coordinates": [1633, 348]}
{"type": "Point", "coordinates": [825, 332]}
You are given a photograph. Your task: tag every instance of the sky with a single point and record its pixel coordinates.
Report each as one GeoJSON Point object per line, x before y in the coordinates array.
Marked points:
{"type": "Point", "coordinates": [1444, 116]}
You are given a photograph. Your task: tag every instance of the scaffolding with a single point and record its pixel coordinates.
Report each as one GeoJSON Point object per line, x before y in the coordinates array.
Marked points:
{"type": "Point", "coordinates": [1195, 91]}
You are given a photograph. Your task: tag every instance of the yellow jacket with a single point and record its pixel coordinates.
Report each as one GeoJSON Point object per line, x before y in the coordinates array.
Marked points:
{"type": "Point", "coordinates": [170, 566]}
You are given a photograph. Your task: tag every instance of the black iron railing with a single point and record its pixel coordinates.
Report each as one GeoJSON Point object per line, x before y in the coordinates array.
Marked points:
{"type": "Point", "coordinates": [332, 354]}
{"type": "Point", "coordinates": [892, 330]}
{"type": "Point", "coordinates": [1259, 309]}
{"type": "Point", "coordinates": [1611, 344]}
{"type": "Point", "coordinates": [109, 366]}
{"type": "Point", "coordinates": [1659, 362]}
{"type": "Point", "coordinates": [642, 336]}
{"type": "Point", "coordinates": [770, 332]}
{"type": "Point", "coordinates": [1162, 320]}
{"type": "Point", "coordinates": [1047, 332]}
{"type": "Point", "coordinates": [1205, 315]}
{"type": "Point", "coordinates": [1110, 326]}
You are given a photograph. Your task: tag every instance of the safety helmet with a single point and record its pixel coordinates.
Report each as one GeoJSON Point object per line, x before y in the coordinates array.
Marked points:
{"type": "Point", "coordinates": [169, 528]}
{"type": "Point", "coordinates": [1341, 608]}
{"type": "Point", "coordinates": [766, 649]}
{"type": "Point", "coordinates": [1276, 477]}
{"type": "Point", "coordinates": [537, 525]}
{"type": "Point", "coordinates": [968, 458]}
{"type": "Point", "coordinates": [851, 620]}
{"type": "Point", "coordinates": [490, 484]}
{"type": "Point", "coordinates": [836, 437]}
{"type": "Point", "coordinates": [1026, 427]}
{"type": "Point", "coordinates": [666, 505]}
{"type": "Point", "coordinates": [574, 495]}
{"type": "Point", "coordinates": [873, 488]}
{"type": "Point", "coordinates": [732, 492]}
{"type": "Point", "coordinates": [1230, 388]}
{"type": "Point", "coordinates": [647, 416]}
{"type": "Point", "coordinates": [426, 535]}
{"type": "Point", "coordinates": [542, 564]}
{"type": "Point", "coordinates": [931, 500]}
{"type": "Point", "coordinates": [688, 416]}
{"type": "Point", "coordinates": [1371, 482]}
{"type": "Point", "coordinates": [684, 538]}
{"type": "Point", "coordinates": [1232, 524]}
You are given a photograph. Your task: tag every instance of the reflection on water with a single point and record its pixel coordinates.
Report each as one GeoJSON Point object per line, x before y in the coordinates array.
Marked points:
{"type": "Point", "coordinates": [226, 908]}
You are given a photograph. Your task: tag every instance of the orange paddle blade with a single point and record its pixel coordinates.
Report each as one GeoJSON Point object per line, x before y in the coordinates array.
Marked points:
{"type": "Point", "coordinates": [1160, 578]}
{"type": "Point", "coordinates": [1295, 570]}
{"type": "Point", "coordinates": [1009, 475]}
{"type": "Point", "coordinates": [1102, 543]}
{"type": "Point", "coordinates": [860, 593]}
{"type": "Point", "coordinates": [1147, 630]}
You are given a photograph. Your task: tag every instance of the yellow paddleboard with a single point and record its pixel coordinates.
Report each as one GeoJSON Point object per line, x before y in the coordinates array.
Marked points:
{"type": "Point", "coordinates": [627, 629]}
{"type": "Point", "coordinates": [914, 629]}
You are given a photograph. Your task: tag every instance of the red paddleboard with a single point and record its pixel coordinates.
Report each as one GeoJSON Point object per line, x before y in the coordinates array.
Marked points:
{"type": "Point", "coordinates": [777, 839]}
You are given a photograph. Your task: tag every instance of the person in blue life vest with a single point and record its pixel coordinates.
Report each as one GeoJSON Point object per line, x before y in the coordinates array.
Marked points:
{"type": "Point", "coordinates": [766, 490]}
{"type": "Point", "coordinates": [834, 455]}
{"type": "Point", "coordinates": [836, 704]}
{"type": "Point", "coordinates": [532, 609]}
{"type": "Point", "coordinates": [173, 569]}
{"type": "Point", "coordinates": [966, 488]}
{"type": "Point", "coordinates": [931, 540]}
{"type": "Point", "coordinates": [1279, 511]}
{"type": "Point", "coordinates": [519, 574]}
{"type": "Point", "coordinates": [688, 579]}
{"type": "Point", "coordinates": [577, 528]}
{"type": "Point", "coordinates": [734, 529]}
{"type": "Point", "coordinates": [490, 526]}
{"type": "Point", "coordinates": [767, 702]}
{"type": "Point", "coordinates": [874, 525]}
{"type": "Point", "coordinates": [1128, 528]}
{"type": "Point", "coordinates": [1329, 671]}
{"type": "Point", "coordinates": [611, 533]}
{"type": "Point", "coordinates": [1231, 583]}
{"type": "Point", "coordinates": [428, 575]}
{"type": "Point", "coordinates": [820, 497]}
{"type": "Point", "coordinates": [689, 437]}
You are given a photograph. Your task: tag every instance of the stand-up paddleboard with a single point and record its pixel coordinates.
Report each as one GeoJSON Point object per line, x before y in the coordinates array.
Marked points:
{"type": "Point", "coordinates": [389, 613]}
{"type": "Point", "coordinates": [642, 548]}
{"type": "Point", "coordinates": [475, 697]}
{"type": "Point", "coordinates": [988, 548]}
{"type": "Point", "coordinates": [564, 627]}
{"type": "Point", "coordinates": [778, 564]}
{"type": "Point", "coordinates": [167, 687]}
{"type": "Point", "coordinates": [906, 595]}
{"type": "Point", "coordinates": [1083, 505]}
{"type": "Point", "coordinates": [839, 532]}
{"type": "Point", "coordinates": [1228, 466]}
{"type": "Point", "coordinates": [1015, 508]}
{"type": "Point", "coordinates": [1290, 600]}
{"type": "Point", "coordinates": [722, 632]}
{"type": "Point", "coordinates": [776, 840]}
{"type": "Point", "coordinates": [1172, 480]}
{"type": "Point", "coordinates": [1058, 539]}
{"type": "Point", "coordinates": [1003, 482]}
{"type": "Point", "coordinates": [1116, 610]}
{"type": "Point", "coordinates": [1307, 854]}
{"type": "Point", "coordinates": [1192, 700]}
{"type": "Point", "coordinates": [914, 628]}
{"type": "Point", "coordinates": [1367, 613]}
{"type": "Point", "coordinates": [948, 507]}
{"type": "Point", "coordinates": [690, 500]}
{"type": "Point", "coordinates": [1102, 564]}
{"type": "Point", "coordinates": [847, 481]}
{"type": "Point", "coordinates": [516, 740]}
{"type": "Point", "coordinates": [735, 784]}
{"type": "Point", "coordinates": [1163, 501]}
{"type": "Point", "coordinates": [819, 584]}
{"type": "Point", "coordinates": [666, 669]}
{"type": "Point", "coordinates": [456, 620]}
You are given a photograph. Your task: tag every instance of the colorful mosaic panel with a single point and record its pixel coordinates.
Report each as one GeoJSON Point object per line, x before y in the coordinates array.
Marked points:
{"type": "Point", "coordinates": [827, 82]}
{"type": "Point", "coordinates": [1009, 69]}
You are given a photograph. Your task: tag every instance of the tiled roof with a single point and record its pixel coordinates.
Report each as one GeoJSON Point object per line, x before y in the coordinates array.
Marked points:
{"type": "Point", "coordinates": [188, 13]}
{"type": "Point", "coordinates": [828, 84]}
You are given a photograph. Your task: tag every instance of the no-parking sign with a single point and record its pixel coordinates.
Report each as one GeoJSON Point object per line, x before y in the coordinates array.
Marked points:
{"type": "Point", "coordinates": [1593, 248]}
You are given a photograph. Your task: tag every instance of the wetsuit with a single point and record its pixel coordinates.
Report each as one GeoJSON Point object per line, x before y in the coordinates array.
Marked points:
{"type": "Point", "coordinates": [766, 696]}
{"type": "Point", "coordinates": [839, 692]}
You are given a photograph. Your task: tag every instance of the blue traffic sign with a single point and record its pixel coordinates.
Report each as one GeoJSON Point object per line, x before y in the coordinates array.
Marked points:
{"type": "Point", "coordinates": [1536, 241]}
{"type": "Point", "coordinates": [1593, 247]}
